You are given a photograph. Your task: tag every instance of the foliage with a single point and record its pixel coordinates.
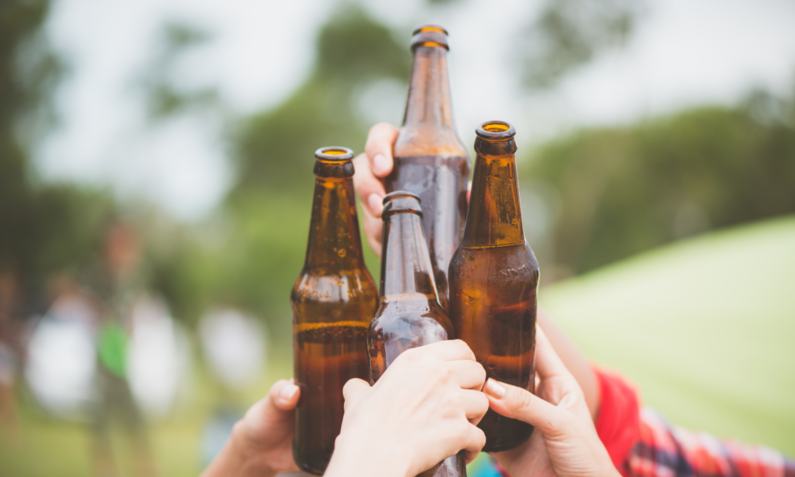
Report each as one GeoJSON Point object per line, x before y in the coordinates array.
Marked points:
{"type": "Point", "coordinates": [43, 228]}
{"type": "Point", "coordinates": [570, 33]}
{"type": "Point", "coordinates": [623, 190]}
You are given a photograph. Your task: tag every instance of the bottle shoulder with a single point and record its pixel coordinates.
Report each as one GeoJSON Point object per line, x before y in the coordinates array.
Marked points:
{"type": "Point", "coordinates": [410, 318]}
{"type": "Point", "coordinates": [515, 260]}
{"type": "Point", "coordinates": [429, 140]}
{"type": "Point", "coordinates": [347, 287]}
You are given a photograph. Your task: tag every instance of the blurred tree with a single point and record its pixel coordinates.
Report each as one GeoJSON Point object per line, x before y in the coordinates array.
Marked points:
{"type": "Point", "coordinates": [275, 149]}
{"type": "Point", "coordinates": [624, 190]}
{"type": "Point", "coordinates": [251, 254]}
{"type": "Point", "coordinates": [43, 228]}
{"type": "Point", "coordinates": [570, 33]}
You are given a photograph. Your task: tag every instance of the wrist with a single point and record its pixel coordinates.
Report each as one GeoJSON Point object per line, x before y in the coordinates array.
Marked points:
{"type": "Point", "coordinates": [236, 459]}
{"type": "Point", "coordinates": [363, 456]}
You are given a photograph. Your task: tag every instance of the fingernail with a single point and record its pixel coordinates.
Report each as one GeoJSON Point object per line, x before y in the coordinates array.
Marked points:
{"type": "Point", "coordinates": [380, 164]}
{"type": "Point", "coordinates": [375, 202]}
{"type": "Point", "coordinates": [288, 391]}
{"type": "Point", "coordinates": [494, 389]}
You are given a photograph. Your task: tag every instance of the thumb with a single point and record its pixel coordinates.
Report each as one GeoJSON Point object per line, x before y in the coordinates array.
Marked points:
{"type": "Point", "coordinates": [353, 391]}
{"type": "Point", "coordinates": [282, 398]}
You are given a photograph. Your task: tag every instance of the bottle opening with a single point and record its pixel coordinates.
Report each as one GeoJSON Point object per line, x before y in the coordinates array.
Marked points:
{"type": "Point", "coordinates": [401, 193]}
{"type": "Point", "coordinates": [496, 130]}
{"type": "Point", "coordinates": [401, 201]}
{"type": "Point", "coordinates": [334, 154]}
{"type": "Point", "coordinates": [429, 35]}
{"type": "Point", "coordinates": [427, 28]}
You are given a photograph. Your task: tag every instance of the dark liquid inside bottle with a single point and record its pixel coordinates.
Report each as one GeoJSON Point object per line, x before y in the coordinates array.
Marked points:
{"type": "Point", "coordinates": [328, 355]}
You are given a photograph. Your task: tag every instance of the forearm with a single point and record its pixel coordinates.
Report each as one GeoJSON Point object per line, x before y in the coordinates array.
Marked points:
{"type": "Point", "coordinates": [575, 362]}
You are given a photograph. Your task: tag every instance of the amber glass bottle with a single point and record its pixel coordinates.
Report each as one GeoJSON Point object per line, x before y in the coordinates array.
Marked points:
{"type": "Point", "coordinates": [430, 159]}
{"type": "Point", "coordinates": [494, 278]}
{"type": "Point", "coordinates": [409, 314]}
{"type": "Point", "coordinates": [333, 301]}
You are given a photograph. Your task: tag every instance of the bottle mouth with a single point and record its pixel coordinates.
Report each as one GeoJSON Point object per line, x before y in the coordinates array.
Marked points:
{"type": "Point", "coordinates": [496, 130]}
{"type": "Point", "coordinates": [334, 154]}
{"type": "Point", "coordinates": [401, 201]}
{"type": "Point", "coordinates": [430, 27]}
{"type": "Point", "coordinates": [429, 35]}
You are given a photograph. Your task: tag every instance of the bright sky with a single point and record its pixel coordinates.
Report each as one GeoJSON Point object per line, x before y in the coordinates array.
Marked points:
{"type": "Point", "coordinates": [686, 52]}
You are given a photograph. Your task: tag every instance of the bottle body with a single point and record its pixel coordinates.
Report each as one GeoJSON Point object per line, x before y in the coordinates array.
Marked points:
{"type": "Point", "coordinates": [332, 301]}
{"type": "Point", "coordinates": [429, 158]}
{"type": "Point", "coordinates": [493, 305]}
{"type": "Point", "coordinates": [409, 314]}
{"type": "Point", "coordinates": [493, 284]}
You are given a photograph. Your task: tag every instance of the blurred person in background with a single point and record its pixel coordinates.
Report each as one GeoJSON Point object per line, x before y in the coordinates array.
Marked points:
{"type": "Point", "coordinates": [640, 442]}
{"type": "Point", "coordinates": [118, 283]}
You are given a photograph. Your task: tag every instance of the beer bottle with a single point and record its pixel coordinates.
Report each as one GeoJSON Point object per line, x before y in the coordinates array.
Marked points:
{"type": "Point", "coordinates": [493, 280]}
{"type": "Point", "coordinates": [333, 301]}
{"type": "Point", "coordinates": [430, 159]}
{"type": "Point", "coordinates": [409, 314]}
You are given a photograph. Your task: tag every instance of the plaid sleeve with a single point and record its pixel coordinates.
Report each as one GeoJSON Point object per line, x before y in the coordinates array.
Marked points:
{"type": "Point", "coordinates": [664, 450]}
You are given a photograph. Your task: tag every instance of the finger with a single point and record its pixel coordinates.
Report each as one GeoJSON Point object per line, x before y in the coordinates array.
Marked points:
{"type": "Point", "coordinates": [380, 141]}
{"type": "Point", "coordinates": [475, 405]}
{"type": "Point", "coordinates": [476, 439]}
{"type": "Point", "coordinates": [352, 391]}
{"type": "Point", "coordinates": [451, 350]}
{"type": "Point", "coordinates": [518, 403]}
{"type": "Point", "coordinates": [372, 231]}
{"type": "Point", "coordinates": [284, 395]}
{"type": "Point", "coordinates": [368, 187]}
{"type": "Point", "coordinates": [468, 374]}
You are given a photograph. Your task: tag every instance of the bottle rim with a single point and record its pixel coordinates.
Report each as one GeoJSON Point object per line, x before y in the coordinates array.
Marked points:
{"type": "Point", "coordinates": [496, 130]}
{"type": "Point", "coordinates": [334, 154]}
{"type": "Point", "coordinates": [427, 27]}
{"type": "Point", "coordinates": [400, 193]}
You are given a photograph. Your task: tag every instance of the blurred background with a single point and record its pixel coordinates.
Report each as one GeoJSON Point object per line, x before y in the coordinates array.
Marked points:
{"type": "Point", "coordinates": [155, 183]}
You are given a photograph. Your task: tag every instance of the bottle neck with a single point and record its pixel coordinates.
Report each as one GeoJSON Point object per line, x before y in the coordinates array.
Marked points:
{"type": "Point", "coordinates": [405, 263]}
{"type": "Point", "coordinates": [494, 218]}
{"type": "Point", "coordinates": [429, 101]}
{"type": "Point", "coordinates": [334, 240]}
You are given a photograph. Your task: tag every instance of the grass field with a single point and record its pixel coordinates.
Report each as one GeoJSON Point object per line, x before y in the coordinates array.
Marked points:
{"type": "Point", "coordinates": [705, 328]}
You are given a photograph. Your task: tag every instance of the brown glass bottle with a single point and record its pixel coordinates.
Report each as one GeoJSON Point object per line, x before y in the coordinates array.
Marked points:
{"type": "Point", "coordinates": [430, 159]}
{"type": "Point", "coordinates": [333, 301]}
{"type": "Point", "coordinates": [409, 314]}
{"type": "Point", "coordinates": [494, 278]}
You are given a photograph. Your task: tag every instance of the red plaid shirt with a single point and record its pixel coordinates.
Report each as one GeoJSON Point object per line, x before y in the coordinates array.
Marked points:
{"type": "Point", "coordinates": [642, 443]}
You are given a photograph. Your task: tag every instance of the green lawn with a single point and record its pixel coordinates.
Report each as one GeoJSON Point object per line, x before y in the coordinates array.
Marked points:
{"type": "Point", "coordinates": [705, 328]}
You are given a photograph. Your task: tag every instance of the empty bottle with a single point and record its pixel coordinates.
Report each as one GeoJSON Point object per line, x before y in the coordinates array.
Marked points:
{"type": "Point", "coordinates": [333, 301]}
{"type": "Point", "coordinates": [430, 159]}
{"type": "Point", "coordinates": [409, 314]}
{"type": "Point", "coordinates": [494, 278]}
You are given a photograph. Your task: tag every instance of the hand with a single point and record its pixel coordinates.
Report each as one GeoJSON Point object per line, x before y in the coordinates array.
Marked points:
{"type": "Point", "coordinates": [371, 167]}
{"type": "Point", "coordinates": [564, 442]}
{"type": "Point", "coordinates": [424, 409]}
{"type": "Point", "coordinates": [262, 442]}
